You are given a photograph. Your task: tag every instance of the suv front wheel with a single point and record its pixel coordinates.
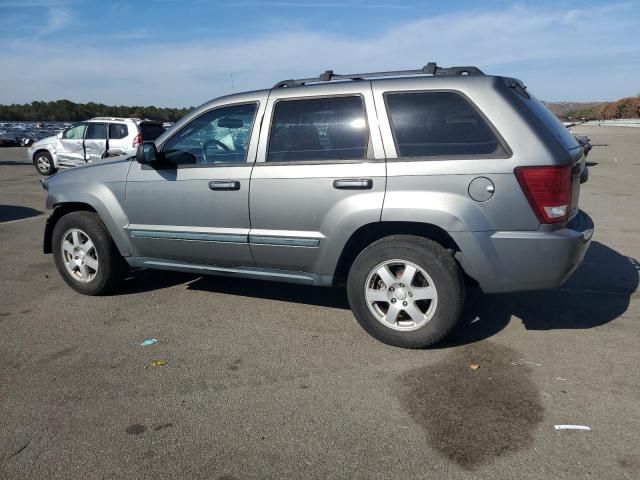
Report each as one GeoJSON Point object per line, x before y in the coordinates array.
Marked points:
{"type": "Point", "coordinates": [406, 291]}
{"type": "Point", "coordinates": [85, 255]}
{"type": "Point", "coordinates": [44, 163]}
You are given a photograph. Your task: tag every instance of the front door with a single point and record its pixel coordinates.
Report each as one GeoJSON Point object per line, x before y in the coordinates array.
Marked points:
{"type": "Point", "coordinates": [95, 141]}
{"type": "Point", "coordinates": [194, 206]}
{"type": "Point", "coordinates": [70, 148]}
{"type": "Point", "coordinates": [319, 175]}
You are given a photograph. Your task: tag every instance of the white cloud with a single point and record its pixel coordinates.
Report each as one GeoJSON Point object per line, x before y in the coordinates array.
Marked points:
{"type": "Point", "coordinates": [562, 55]}
{"type": "Point", "coordinates": [59, 18]}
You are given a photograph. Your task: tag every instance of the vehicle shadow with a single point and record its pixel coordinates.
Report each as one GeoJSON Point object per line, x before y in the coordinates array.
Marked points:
{"type": "Point", "coordinates": [15, 162]}
{"type": "Point", "coordinates": [597, 293]}
{"type": "Point", "coordinates": [9, 213]}
{"type": "Point", "coordinates": [323, 297]}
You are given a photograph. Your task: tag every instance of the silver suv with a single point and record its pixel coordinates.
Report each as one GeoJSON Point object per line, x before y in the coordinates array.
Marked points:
{"type": "Point", "coordinates": [85, 142]}
{"type": "Point", "coordinates": [405, 186]}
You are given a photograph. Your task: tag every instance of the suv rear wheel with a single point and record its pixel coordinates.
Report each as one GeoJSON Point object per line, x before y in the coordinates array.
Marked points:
{"type": "Point", "coordinates": [406, 291]}
{"type": "Point", "coordinates": [85, 255]}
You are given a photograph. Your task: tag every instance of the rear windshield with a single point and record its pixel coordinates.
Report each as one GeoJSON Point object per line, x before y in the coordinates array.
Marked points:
{"type": "Point", "coordinates": [549, 120]}
{"type": "Point", "coordinates": [151, 131]}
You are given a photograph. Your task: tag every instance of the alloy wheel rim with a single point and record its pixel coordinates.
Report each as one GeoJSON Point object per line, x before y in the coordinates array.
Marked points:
{"type": "Point", "coordinates": [79, 255]}
{"type": "Point", "coordinates": [401, 295]}
{"type": "Point", "coordinates": [43, 163]}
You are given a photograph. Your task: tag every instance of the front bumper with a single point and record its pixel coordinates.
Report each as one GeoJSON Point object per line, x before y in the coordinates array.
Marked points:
{"type": "Point", "coordinates": [515, 261]}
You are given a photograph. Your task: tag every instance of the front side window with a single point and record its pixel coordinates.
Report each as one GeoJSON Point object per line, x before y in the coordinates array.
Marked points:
{"type": "Point", "coordinates": [75, 133]}
{"type": "Point", "coordinates": [96, 131]}
{"type": "Point", "coordinates": [219, 136]}
{"type": "Point", "coordinates": [438, 124]}
{"type": "Point", "coordinates": [117, 131]}
{"type": "Point", "coordinates": [318, 129]}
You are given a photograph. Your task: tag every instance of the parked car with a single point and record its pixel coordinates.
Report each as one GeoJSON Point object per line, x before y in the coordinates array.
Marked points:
{"type": "Point", "coordinates": [97, 138]}
{"type": "Point", "coordinates": [405, 186]}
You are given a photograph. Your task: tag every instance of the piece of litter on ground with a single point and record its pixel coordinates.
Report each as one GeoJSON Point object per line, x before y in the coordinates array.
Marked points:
{"type": "Point", "coordinates": [474, 366]}
{"type": "Point", "coordinates": [545, 394]}
{"type": "Point", "coordinates": [158, 363]}
{"type": "Point", "coordinates": [571, 427]}
{"type": "Point", "coordinates": [560, 378]}
{"type": "Point", "coordinates": [522, 361]}
{"type": "Point", "coordinates": [148, 341]}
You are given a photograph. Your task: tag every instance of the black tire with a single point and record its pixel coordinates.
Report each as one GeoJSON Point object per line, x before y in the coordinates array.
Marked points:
{"type": "Point", "coordinates": [44, 167]}
{"type": "Point", "coordinates": [444, 273]}
{"type": "Point", "coordinates": [111, 266]}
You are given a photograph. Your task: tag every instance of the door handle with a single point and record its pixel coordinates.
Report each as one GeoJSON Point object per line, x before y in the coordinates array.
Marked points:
{"type": "Point", "coordinates": [224, 185]}
{"type": "Point", "coordinates": [353, 184]}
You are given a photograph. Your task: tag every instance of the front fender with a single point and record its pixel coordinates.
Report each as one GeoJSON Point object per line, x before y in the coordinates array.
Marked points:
{"type": "Point", "coordinates": [106, 199]}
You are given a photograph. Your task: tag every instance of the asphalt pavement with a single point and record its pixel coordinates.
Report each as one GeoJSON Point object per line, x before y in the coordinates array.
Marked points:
{"type": "Point", "coordinates": [266, 380]}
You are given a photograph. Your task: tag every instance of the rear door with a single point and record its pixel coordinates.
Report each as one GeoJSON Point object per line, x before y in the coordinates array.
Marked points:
{"type": "Point", "coordinates": [70, 149]}
{"type": "Point", "coordinates": [319, 175]}
{"type": "Point", "coordinates": [118, 139]}
{"type": "Point", "coordinates": [95, 141]}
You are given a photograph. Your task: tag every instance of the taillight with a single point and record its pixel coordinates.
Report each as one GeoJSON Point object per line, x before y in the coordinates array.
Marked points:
{"type": "Point", "coordinates": [548, 190]}
{"type": "Point", "coordinates": [137, 141]}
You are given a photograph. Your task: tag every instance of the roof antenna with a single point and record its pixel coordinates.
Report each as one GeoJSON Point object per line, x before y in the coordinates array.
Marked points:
{"type": "Point", "coordinates": [231, 75]}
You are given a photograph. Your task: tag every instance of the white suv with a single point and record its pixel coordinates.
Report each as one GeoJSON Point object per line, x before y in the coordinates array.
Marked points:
{"type": "Point", "coordinates": [97, 138]}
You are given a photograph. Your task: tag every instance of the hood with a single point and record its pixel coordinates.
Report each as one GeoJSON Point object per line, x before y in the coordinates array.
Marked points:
{"type": "Point", "coordinates": [108, 170]}
{"type": "Point", "coordinates": [44, 141]}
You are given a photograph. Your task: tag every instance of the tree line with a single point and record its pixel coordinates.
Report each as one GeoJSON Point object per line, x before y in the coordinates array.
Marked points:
{"type": "Point", "coordinates": [624, 108]}
{"type": "Point", "coordinates": [68, 111]}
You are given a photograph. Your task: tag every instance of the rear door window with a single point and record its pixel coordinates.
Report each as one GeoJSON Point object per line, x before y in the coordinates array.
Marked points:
{"type": "Point", "coordinates": [151, 131]}
{"type": "Point", "coordinates": [318, 129]}
{"type": "Point", "coordinates": [439, 124]}
{"type": "Point", "coordinates": [118, 131]}
{"type": "Point", "coordinates": [96, 131]}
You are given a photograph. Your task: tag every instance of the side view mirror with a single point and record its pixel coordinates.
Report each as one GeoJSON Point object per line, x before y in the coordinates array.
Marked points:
{"type": "Point", "coordinates": [60, 134]}
{"type": "Point", "coordinates": [147, 153]}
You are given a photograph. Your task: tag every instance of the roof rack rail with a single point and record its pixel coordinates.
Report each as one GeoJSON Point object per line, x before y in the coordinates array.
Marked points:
{"type": "Point", "coordinates": [429, 69]}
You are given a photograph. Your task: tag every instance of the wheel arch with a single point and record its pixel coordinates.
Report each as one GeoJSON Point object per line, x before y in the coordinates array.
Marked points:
{"type": "Point", "coordinates": [58, 212]}
{"type": "Point", "coordinates": [367, 234]}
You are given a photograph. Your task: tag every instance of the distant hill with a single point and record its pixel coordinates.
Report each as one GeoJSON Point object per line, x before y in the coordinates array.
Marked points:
{"type": "Point", "coordinates": [624, 108]}
{"type": "Point", "coordinates": [561, 109]}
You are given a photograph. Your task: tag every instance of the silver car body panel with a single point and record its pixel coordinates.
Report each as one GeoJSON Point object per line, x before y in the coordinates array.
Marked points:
{"type": "Point", "coordinates": [287, 221]}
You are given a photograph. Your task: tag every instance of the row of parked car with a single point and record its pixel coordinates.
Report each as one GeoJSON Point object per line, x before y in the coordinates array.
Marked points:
{"type": "Point", "coordinates": [97, 138]}
{"type": "Point", "coordinates": [407, 187]}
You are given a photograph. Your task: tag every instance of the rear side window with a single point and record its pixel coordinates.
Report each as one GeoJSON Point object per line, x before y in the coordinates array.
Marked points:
{"type": "Point", "coordinates": [438, 124]}
{"type": "Point", "coordinates": [318, 129]}
{"type": "Point", "coordinates": [96, 131]}
{"type": "Point", "coordinates": [118, 131]}
{"type": "Point", "coordinates": [151, 131]}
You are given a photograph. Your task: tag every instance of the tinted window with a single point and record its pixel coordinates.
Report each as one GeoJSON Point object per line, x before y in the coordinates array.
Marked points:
{"type": "Point", "coordinates": [218, 136]}
{"type": "Point", "coordinates": [74, 133]}
{"type": "Point", "coordinates": [318, 129]}
{"type": "Point", "coordinates": [118, 131]}
{"type": "Point", "coordinates": [151, 131]}
{"type": "Point", "coordinates": [438, 123]}
{"type": "Point", "coordinates": [96, 131]}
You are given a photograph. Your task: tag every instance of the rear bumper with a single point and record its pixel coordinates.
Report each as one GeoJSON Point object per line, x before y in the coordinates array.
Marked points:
{"type": "Point", "coordinates": [514, 261]}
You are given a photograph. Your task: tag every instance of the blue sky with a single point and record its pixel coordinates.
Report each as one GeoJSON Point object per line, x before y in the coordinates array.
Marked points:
{"type": "Point", "coordinates": [182, 53]}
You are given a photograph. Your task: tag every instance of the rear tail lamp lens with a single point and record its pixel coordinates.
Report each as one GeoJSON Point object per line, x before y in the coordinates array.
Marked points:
{"type": "Point", "coordinates": [548, 190]}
